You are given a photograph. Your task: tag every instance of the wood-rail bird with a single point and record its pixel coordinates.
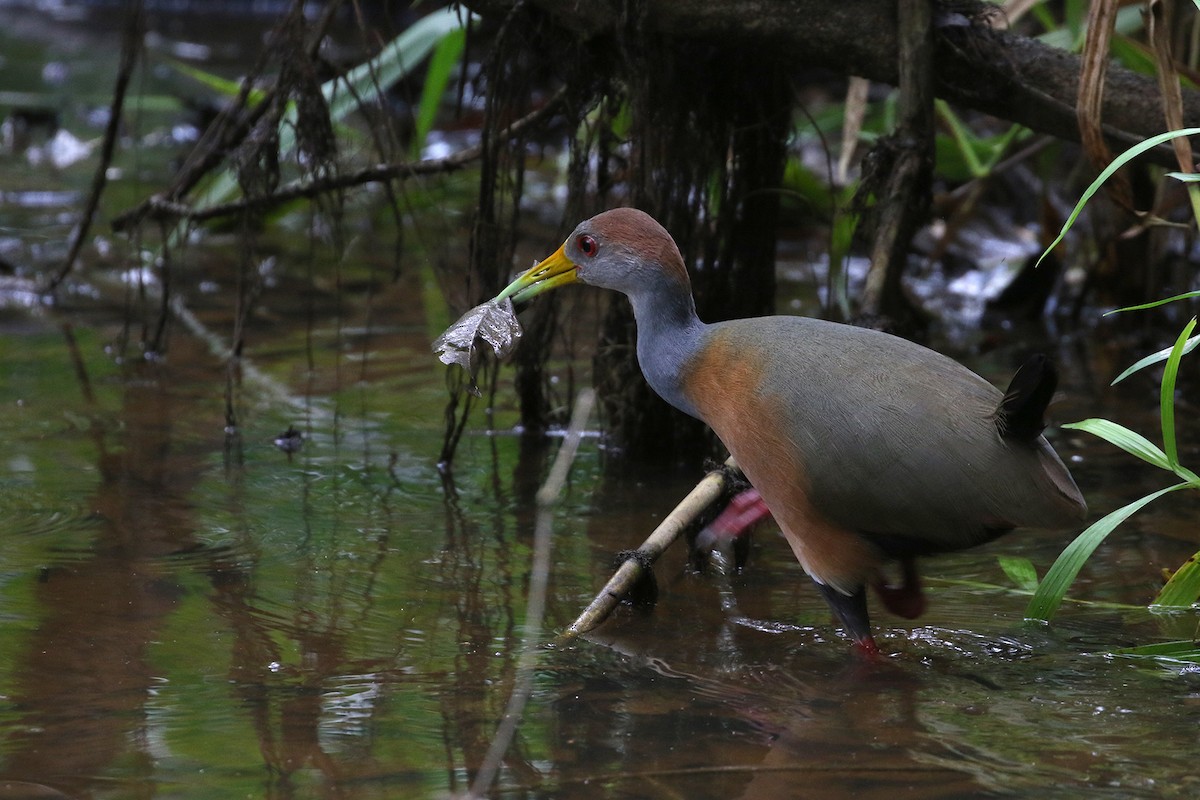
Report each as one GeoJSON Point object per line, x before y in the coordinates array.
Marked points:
{"type": "Point", "coordinates": [867, 448]}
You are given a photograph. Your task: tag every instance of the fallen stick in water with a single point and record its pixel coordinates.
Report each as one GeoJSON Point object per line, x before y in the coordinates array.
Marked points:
{"type": "Point", "coordinates": [707, 491]}
{"type": "Point", "coordinates": [547, 497]}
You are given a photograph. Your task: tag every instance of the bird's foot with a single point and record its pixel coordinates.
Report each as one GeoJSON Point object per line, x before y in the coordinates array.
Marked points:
{"type": "Point", "coordinates": [906, 600]}
{"type": "Point", "coordinates": [733, 526]}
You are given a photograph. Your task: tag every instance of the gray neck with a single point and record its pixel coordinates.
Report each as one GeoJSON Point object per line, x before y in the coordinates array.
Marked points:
{"type": "Point", "coordinates": [669, 334]}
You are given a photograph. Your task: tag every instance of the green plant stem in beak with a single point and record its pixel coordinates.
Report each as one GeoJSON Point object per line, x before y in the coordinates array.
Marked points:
{"type": "Point", "coordinates": [555, 271]}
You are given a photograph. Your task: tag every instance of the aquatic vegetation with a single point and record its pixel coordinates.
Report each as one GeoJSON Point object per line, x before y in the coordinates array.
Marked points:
{"type": "Point", "coordinates": [1183, 588]}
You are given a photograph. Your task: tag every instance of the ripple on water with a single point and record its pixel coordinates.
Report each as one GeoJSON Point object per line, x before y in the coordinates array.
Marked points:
{"type": "Point", "coordinates": [42, 523]}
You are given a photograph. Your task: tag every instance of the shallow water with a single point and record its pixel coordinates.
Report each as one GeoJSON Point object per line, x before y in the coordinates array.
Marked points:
{"type": "Point", "coordinates": [190, 612]}
{"type": "Point", "coordinates": [181, 618]}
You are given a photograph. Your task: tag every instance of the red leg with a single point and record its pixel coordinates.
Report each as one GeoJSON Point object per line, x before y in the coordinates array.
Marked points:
{"type": "Point", "coordinates": [906, 600]}
{"type": "Point", "coordinates": [739, 518]}
{"type": "Point", "coordinates": [731, 529]}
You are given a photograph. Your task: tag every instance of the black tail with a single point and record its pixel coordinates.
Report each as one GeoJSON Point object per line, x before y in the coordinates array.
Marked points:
{"type": "Point", "coordinates": [1021, 415]}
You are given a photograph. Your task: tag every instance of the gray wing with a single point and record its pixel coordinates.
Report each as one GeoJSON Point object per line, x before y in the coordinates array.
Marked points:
{"type": "Point", "coordinates": [898, 440]}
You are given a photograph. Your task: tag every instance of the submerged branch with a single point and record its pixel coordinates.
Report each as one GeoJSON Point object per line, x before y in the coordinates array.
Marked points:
{"type": "Point", "coordinates": [535, 608]}
{"type": "Point", "coordinates": [707, 491]}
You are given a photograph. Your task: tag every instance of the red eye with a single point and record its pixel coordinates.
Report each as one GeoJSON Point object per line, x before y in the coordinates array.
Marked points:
{"type": "Point", "coordinates": [587, 245]}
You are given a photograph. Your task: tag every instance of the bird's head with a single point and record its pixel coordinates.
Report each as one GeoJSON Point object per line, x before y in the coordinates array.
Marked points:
{"type": "Point", "coordinates": [623, 249]}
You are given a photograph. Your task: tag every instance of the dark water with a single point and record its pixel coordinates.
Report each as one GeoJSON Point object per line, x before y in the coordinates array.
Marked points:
{"type": "Point", "coordinates": [190, 612]}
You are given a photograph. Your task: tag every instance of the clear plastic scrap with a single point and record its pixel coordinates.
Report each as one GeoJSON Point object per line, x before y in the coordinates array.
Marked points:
{"type": "Point", "coordinates": [493, 323]}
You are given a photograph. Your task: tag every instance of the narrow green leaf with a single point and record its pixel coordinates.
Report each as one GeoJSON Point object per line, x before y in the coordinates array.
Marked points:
{"type": "Point", "coordinates": [1167, 395]}
{"type": "Point", "coordinates": [1154, 358]}
{"type": "Point", "coordinates": [1186, 177]}
{"type": "Point", "coordinates": [1184, 650]}
{"type": "Point", "coordinates": [1188, 476]}
{"type": "Point", "coordinates": [1020, 571]}
{"type": "Point", "coordinates": [1118, 162]}
{"type": "Point", "coordinates": [368, 81]}
{"type": "Point", "coordinates": [1130, 441]}
{"type": "Point", "coordinates": [1193, 193]}
{"type": "Point", "coordinates": [398, 58]}
{"type": "Point", "coordinates": [224, 86]}
{"type": "Point", "coordinates": [344, 94]}
{"type": "Point", "coordinates": [963, 139]}
{"type": "Point", "coordinates": [1155, 304]}
{"type": "Point", "coordinates": [441, 68]}
{"type": "Point", "coordinates": [1183, 589]}
{"type": "Point", "coordinates": [1053, 588]}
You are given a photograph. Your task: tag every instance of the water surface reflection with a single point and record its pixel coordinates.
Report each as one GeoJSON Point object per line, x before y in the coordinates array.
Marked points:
{"type": "Point", "coordinates": [189, 614]}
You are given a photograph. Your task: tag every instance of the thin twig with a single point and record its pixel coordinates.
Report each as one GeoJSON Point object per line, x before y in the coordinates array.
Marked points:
{"type": "Point", "coordinates": [230, 125]}
{"type": "Point", "coordinates": [707, 491]}
{"type": "Point", "coordinates": [535, 608]}
{"type": "Point", "coordinates": [159, 207]}
{"type": "Point", "coordinates": [131, 45]}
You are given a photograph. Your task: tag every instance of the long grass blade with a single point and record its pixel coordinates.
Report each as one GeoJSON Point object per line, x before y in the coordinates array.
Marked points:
{"type": "Point", "coordinates": [1155, 358]}
{"type": "Point", "coordinates": [1118, 162]}
{"type": "Point", "coordinates": [344, 94]}
{"type": "Point", "coordinates": [1155, 303]}
{"type": "Point", "coordinates": [1062, 574]}
{"type": "Point", "coordinates": [398, 58]}
{"type": "Point", "coordinates": [962, 139]}
{"type": "Point", "coordinates": [437, 77]}
{"type": "Point", "coordinates": [1167, 395]}
{"type": "Point", "coordinates": [214, 82]}
{"type": "Point", "coordinates": [1183, 650]}
{"type": "Point", "coordinates": [1131, 442]}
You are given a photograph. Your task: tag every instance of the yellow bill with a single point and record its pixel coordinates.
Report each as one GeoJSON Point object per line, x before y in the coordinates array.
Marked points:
{"type": "Point", "coordinates": [555, 271]}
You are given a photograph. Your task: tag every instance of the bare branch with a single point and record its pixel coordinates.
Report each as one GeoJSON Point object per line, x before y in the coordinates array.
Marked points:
{"type": "Point", "coordinates": [707, 491]}
{"type": "Point", "coordinates": [161, 207]}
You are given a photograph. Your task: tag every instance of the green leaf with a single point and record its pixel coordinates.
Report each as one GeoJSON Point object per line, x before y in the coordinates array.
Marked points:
{"type": "Point", "coordinates": [1154, 358]}
{"type": "Point", "coordinates": [1167, 395]}
{"type": "Point", "coordinates": [975, 155]}
{"type": "Point", "coordinates": [1118, 162]}
{"type": "Point", "coordinates": [1183, 589]}
{"type": "Point", "coordinates": [441, 68]}
{"type": "Point", "coordinates": [1186, 177]}
{"type": "Point", "coordinates": [1155, 304]}
{"type": "Point", "coordinates": [1053, 588]}
{"type": "Point", "coordinates": [225, 86]}
{"type": "Point", "coordinates": [1020, 571]}
{"type": "Point", "coordinates": [366, 82]}
{"type": "Point", "coordinates": [1132, 55]}
{"type": "Point", "coordinates": [1130, 441]}
{"type": "Point", "coordinates": [346, 93]}
{"type": "Point", "coordinates": [1184, 650]}
{"type": "Point", "coordinates": [962, 137]}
